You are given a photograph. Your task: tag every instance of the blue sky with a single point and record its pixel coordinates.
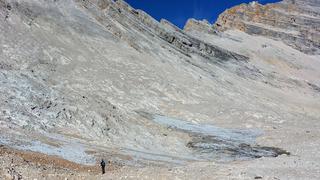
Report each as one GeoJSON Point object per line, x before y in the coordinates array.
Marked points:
{"type": "Point", "coordinates": [178, 11]}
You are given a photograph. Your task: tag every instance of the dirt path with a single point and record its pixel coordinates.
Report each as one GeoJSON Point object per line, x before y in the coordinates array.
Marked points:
{"type": "Point", "coordinates": [15, 164]}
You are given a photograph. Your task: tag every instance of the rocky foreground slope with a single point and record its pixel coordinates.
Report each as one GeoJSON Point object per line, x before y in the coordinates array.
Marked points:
{"type": "Point", "coordinates": [88, 79]}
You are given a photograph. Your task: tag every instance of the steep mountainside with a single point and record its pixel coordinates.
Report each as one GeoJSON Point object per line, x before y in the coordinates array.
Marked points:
{"type": "Point", "coordinates": [88, 79]}
{"type": "Point", "coordinates": [295, 22]}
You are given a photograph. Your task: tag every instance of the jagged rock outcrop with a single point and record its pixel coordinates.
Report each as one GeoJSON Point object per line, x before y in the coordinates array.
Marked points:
{"type": "Point", "coordinates": [295, 22]}
{"type": "Point", "coordinates": [200, 26]}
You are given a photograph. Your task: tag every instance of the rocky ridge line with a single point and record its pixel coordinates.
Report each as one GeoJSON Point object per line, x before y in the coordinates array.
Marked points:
{"type": "Point", "coordinates": [129, 17]}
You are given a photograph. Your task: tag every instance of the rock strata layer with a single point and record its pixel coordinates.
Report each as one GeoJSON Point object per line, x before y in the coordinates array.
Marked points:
{"type": "Point", "coordinates": [296, 22]}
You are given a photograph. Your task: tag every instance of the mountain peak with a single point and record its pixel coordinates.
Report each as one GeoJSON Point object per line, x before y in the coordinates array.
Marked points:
{"type": "Point", "coordinates": [196, 25]}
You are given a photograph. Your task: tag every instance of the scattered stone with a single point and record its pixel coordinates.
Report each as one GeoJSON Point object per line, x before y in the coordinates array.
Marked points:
{"type": "Point", "coordinates": [9, 7]}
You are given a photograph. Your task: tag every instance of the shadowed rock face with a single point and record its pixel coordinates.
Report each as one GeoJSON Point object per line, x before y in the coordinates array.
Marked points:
{"type": "Point", "coordinates": [211, 147]}
{"type": "Point", "coordinates": [295, 22]}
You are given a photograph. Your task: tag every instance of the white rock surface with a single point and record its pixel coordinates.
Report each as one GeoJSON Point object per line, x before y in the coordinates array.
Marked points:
{"type": "Point", "coordinates": [83, 69]}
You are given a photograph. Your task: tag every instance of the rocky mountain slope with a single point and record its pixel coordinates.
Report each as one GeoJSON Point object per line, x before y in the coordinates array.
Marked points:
{"type": "Point", "coordinates": [88, 79]}
{"type": "Point", "coordinates": [295, 22]}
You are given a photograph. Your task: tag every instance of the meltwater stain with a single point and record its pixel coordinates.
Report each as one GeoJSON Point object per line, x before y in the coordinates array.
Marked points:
{"type": "Point", "coordinates": [214, 143]}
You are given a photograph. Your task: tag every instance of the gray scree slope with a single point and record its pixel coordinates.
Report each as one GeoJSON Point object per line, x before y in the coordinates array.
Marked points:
{"type": "Point", "coordinates": [85, 70]}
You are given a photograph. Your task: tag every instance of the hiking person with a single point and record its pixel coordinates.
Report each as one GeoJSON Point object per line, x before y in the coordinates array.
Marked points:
{"type": "Point", "coordinates": [103, 166]}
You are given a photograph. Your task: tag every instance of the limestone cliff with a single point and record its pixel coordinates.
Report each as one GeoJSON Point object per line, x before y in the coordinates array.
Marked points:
{"type": "Point", "coordinates": [296, 22]}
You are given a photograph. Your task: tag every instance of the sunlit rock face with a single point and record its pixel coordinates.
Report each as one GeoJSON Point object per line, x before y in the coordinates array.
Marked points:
{"type": "Point", "coordinates": [296, 22]}
{"type": "Point", "coordinates": [200, 26]}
